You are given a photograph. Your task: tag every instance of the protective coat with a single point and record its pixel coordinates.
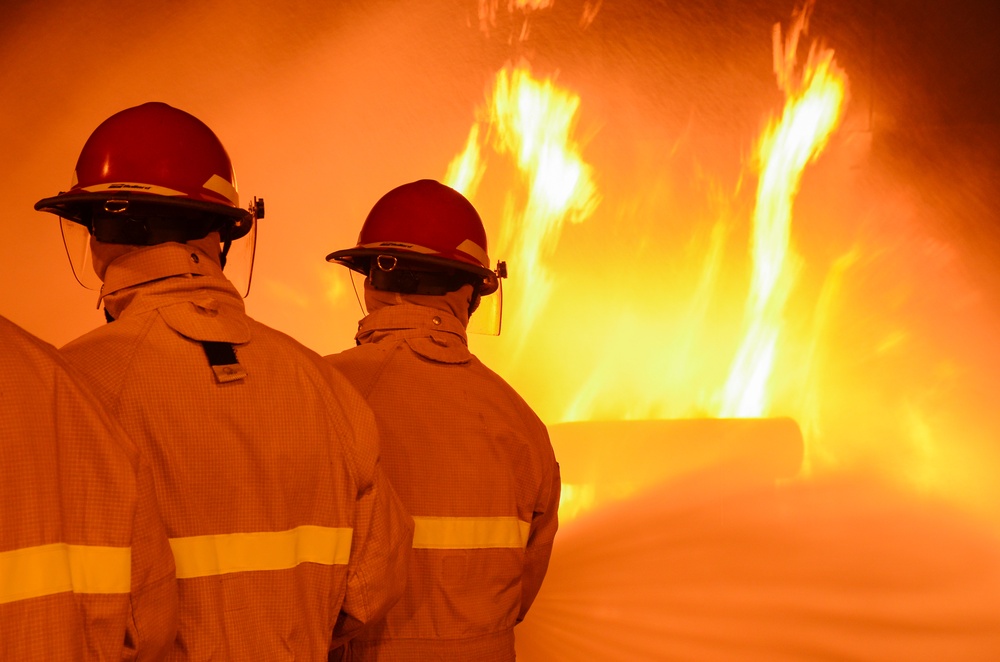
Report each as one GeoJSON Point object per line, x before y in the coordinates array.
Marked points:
{"type": "Point", "coordinates": [85, 565]}
{"type": "Point", "coordinates": [286, 535]}
{"type": "Point", "coordinates": [473, 465]}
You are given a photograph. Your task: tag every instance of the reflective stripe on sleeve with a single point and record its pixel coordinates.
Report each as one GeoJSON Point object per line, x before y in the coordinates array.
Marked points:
{"type": "Point", "coordinates": [204, 556]}
{"type": "Point", "coordinates": [469, 533]}
{"type": "Point", "coordinates": [32, 572]}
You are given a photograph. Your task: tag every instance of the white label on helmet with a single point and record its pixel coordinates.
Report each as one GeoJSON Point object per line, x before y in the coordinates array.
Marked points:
{"type": "Point", "coordinates": [131, 186]}
{"type": "Point", "coordinates": [224, 188]}
{"type": "Point", "coordinates": [475, 250]}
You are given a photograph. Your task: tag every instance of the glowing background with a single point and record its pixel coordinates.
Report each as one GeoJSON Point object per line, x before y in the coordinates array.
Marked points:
{"type": "Point", "coordinates": [890, 357]}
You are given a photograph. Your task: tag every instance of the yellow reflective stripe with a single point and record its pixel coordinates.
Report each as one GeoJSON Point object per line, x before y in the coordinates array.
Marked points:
{"type": "Point", "coordinates": [31, 572]}
{"type": "Point", "coordinates": [469, 532]}
{"type": "Point", "coordinates": [205, 556]}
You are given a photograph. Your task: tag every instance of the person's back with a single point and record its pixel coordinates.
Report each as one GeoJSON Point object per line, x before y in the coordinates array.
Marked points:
{"type": "Point", "coordinates": [470, 460]}
{"type": "Point", "coordinates": [86, 572]}
{"type": "Point", "coordinates": [285, 533]}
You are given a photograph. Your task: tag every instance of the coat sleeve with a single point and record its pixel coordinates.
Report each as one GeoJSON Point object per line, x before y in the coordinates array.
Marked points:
{"type": "Point", "coordinates": [380, 546]}
{"type": "Point", "coordinates": [153, 600]}
{"type": "Point", "coordinates": [544, 523]}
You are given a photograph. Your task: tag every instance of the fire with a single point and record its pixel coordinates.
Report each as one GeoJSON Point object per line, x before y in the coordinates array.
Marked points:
{"type": "Point", "coordinates": [466, 169]}
{"type": "Point", "coordinates": [532, 4]}
{"type": "Point", "coordinates": [488, 12]}
{"type": "Point", "coordinates": [813, 109]}
{"type": "Point", "coordinates": [531, 120]}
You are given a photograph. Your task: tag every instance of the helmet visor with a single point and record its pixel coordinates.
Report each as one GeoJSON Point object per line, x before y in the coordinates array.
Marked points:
{"type": "Point", "coordinates": [486, 319]}
{"type": "Point", "coordinates": [358, 284]}
{"type": "Point", "coordinates": [240, 259]}
{"type": "Point", "coordinates": [76, 241]}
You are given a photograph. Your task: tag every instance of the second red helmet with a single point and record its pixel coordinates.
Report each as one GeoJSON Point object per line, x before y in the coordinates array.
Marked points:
{"type": "Point", "coordinates": [428, 222]}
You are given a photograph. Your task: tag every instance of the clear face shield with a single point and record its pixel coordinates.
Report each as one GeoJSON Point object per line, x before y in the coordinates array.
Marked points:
{"type": "Point", "coordinates": [486, 318]}
{"type": "Point", "coordinates": [358, 284]}
{"type": "Point", "coordinates": [239, 261]}
{"type": "Point", "coordinates": [76, 241]}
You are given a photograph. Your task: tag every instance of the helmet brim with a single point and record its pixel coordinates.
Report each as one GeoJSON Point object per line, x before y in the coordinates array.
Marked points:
{"type": "Point", "coordinates": [79, 206]}
{"type": "Point", "coordinates": [358, 259]}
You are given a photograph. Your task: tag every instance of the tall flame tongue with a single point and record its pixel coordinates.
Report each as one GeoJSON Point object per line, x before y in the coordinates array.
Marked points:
{"type": "Point", "coordinates": [813, 109]}
{"type": "Point", "coordinates": [531, 120]}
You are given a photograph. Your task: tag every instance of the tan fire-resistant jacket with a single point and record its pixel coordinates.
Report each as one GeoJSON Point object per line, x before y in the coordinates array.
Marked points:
{"type": "Point", "coordinates": [473, 465]}
{"type": "Point", "coordinates": [85, 568]}
{"type": "Point", "coordinates": [286, 535]}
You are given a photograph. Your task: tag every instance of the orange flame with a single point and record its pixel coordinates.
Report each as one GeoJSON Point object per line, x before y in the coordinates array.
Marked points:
{"type": "Point", "coordinates": [532, 4]}
{"type": "Point", "coordinates": [466, 170]}
{"type": "Point", "coordinates": [672, 330]}
{"type": "Point", "coordinates": [813, 109]}
{"type": "Point", "coordinates": [488, 12]}
{"type": "Point", "coordinates": [532, 121]}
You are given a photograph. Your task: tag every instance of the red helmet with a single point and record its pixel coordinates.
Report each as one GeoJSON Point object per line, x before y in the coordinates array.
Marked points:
{"type": "Point", "coordinates": [154, 160]}
{"type": "Point", "coordinates": [428, 223]}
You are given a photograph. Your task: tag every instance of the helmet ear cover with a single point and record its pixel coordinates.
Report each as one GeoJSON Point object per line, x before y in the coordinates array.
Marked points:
{"type": "Point", "coordinates": [389, 273]}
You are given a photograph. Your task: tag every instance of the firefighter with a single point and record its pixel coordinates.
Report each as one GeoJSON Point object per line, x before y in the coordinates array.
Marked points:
{"type": "Point", "coordinates": [469, 458]}
{"type": "Point", "coordinates": [285, 533]}
{"type": "Point", "coordinates": [85, 567]}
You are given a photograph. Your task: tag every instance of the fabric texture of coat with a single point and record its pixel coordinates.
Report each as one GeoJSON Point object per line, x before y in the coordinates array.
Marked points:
{"type": "Point", "coordinates": [86, 572]}
{"type": "Point", "coordinates": [474, 466]}
{"type": "Point", "coordinates": [286, 535]}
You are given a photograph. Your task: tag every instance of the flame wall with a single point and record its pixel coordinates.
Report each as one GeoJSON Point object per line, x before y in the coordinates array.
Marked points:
{"type": "Point", "coordinates": [325, 106]}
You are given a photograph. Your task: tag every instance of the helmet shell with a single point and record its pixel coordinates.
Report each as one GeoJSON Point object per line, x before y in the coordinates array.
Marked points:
{"type": "Point", "coordinates": [153, 156]}
{"type": "Point", "coordinates": [427, 222]}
